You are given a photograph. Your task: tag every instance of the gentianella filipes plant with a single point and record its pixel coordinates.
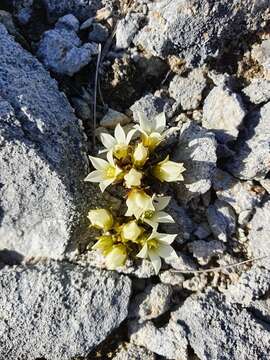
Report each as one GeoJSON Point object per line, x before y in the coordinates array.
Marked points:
{"type": "Point", "coordinates": [129, 163]}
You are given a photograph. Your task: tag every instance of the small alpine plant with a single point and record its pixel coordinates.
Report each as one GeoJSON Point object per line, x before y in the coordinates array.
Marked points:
{"type": "Point", "coordinates": [131, 164]}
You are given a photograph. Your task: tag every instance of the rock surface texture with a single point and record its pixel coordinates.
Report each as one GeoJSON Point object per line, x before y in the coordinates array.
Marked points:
{"type": "Point", "coordinates": [58, 311]}
{"type": "Point", "coordinates": [42, 161]}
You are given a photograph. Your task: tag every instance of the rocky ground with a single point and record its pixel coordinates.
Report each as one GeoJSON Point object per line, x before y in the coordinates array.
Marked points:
{"type": "Point", "coordinates": [206, 64]}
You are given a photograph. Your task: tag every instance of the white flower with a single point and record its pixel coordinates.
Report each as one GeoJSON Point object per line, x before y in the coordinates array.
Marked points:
{"type": "Point", "coordinates": [119, 143]}
{"type": "Point", "coordinates": [140, 155]}
{"type": "Point", "coordinates": [101, 218]}
{"type": "Point", "coordinates": [116, 257]}
{"type": "Point", "coordinates": [131, 231]}
{"type": "Point", "coordinates": [133, 178]}
{"type": "Point", "coordinates": [151, 130]}
{"type": "Point", "coordinates": [104, 244]}
{"type": "Point", "coordinates": [107, 171]}
{"type": "Point", "coordinates": [169, 171]}
{"type": "Point", "coordinates": [158, 246]}
{"type": "Point", "coordinates": [153, 218]}
{"type": "Point", "coordinates": [138, 202]}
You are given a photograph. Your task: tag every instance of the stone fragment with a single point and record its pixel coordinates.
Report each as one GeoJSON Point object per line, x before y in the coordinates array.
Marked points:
{"type": "Point", "coordinates": [170, 277]}
{"type": "Point", "coordinates": [197, 31]}
{"type": "Point", "coordinates": [42, 159]}
{"type": "Point", "coordinates": [168, 341]}
{"type": "Point", "coordinates": [204, 251]}
{"type": "Point", "coordinates": [153, 302]}
{"type": "Point", "coordinates": [261, 309]}
{"type": "Point", "coordinates": [252, 157]}
{"type": "Point", "coordinates": [187, 91]}
{"type": "Point", "coordinates": [182, 263]}
{"type": "Point", "coordinates": [58, 311]}
{"type": "Point", "coordinates": [197, 283]}
{"type": "Point", "coordinates": [258, 91]}
{"type": "Point", "coordinates": [261, 53]}
{"type": "Point", "coordinates": [127, 29]}
{"type": "Point", "coordinates": [259, 234]}
{"type": "Point", "coordinates": [62, 51]}
{"type": "Point", "coordinates": [218, 330]}
{"type": "Point", "coordinates": [99, 33]}
{"type": "Point", "coordinates": [133, 352]}
{"type": "Point", "coordinates": [223, 113]}
{"type": "Point", "coordinates": [222, 220]}
{"type": "Point", "coordinates": [112, 118]}
{"type": "Point", "coordinates": [203, 231]}
{"type": "Point", "coordinates": [197, 150]}
{"type": "Point", "coordinates": [149, 105]}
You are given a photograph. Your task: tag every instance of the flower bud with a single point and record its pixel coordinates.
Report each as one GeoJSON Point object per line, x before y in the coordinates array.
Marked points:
{"type": "Point", "coordinates": [140, 155]}
{"type": "Point", "coordinates": [131, 231]}
{"type": "Point", "coordinates": [104, 244]}
{"type": "Point", "coordinates": [169, 171]}
{"type": "Point", "coordinates": [101, 218]}
{"type": "Point", "coordinates": [116, 257]}
{"type": "Point", "coordinates": [133, 178]}
{"type": "Point", "coordinates": [138, 202]}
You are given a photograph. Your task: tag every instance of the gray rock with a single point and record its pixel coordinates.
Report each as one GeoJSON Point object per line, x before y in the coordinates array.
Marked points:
{"type": "Point", "coordinates": [218, 330]}
{"type": "Point", "coordinates": [253, 147]}
{"type": "Point", "coordinates": [223, 112]}
{"type": "Point", "coordinates": [23, 10]}
{"type": "Point", "coordinates": [259, 234]}
{"type": "Point", "coordinates": [133, 352]}
{"type": "Point", "coordinates": [183, 225]}
{"type": "Point", "coordinates": [187, 91]}
{"type": "Point", "coordinates": [204, 251]}
{"type": "Point", "coordinates": [81, 9]}
{"type": "Point", "coordinates": [222, 220]}
{"type": "Point", "coordinates": [182, 263]}
{"type": "Point", "coordinates": [58, 311]}
{"type": "Point", "coordinates": [266, 184]}
{"type": "Point", "coordinates": [149, 105]}
{"type": "Point", "coordinates": [197, 150]}
{"type": "Point", "coordinates": [62, 51]}
{"type": "Point", "coordinates": [172, 278]}
{"type": "Point", "coordinates": [198, 30]}
{"type": "Point", "coordinates": [258, 91]}
{"type": "Point", "coordinates": [153, 302]}
{"type": "Point", "coordinates": [239, 194]}
{"type": "Point", "coordinates": [98, 34]}
{"type": "Point", "coordinates": [42, 159]}
{"type": "Point", "coordinates": [168, 341]}
{"type": "Point", "coordinates": [261, 309]}
{"type": "Point", "coordinates": [252, 285]}
{"type": "Point", "coordinates": [261, 53]}
{"type": "Point", "coordinates": [127, 29]}
{"type": "Point", "coordinates": [197, 283]}
{"type": "Point", "coordinates": [112, 118]}
{"type": "Point", "coordinates": [202, 231]}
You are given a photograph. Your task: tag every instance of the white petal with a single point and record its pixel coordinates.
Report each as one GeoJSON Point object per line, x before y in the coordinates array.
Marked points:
{"type": "Point", "coordinates": [167, 238]}
{"type": "Point", "coordinates": [152, 223]}
{"type": "Point", "coordinates": [98, 163]}
{"type": "Point", "coordinates": [165, 251]}
{"type": "Point", "coordinates": [94, 176]}
{"type": "Point", "coordinates": [143, 252]}
{"type": "Point", "coordinates": [119, 134]}
{"type": "Point", "coordinates": [145, 123]}
{"type": "Point", "coordinates": [160, 122]}
{"type": "Point", "coordinates": [110, 157]}
{"type": "Point", "coordinates": [107, 140]}
{"type": "Point", "coordinates": [163, 217]}
{"type": "Point", "coordinates": [102, 151]}
{"type": "Point", "coordinates": [130, 135]}
{"type": "Point", "coordinates": [161, 202]}
{"type": "Point", "coordinates": [155, 259]}
{"type": "Point", "coordinates": [105, 183]}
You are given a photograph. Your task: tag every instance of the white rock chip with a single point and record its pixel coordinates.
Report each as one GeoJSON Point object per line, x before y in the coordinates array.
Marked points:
{"type": "Point", "coordinates": [258, 91]}
{"type": "Point", "coordinates": [112, 118]}
{"type": "Point", "coordinates": [204, 251]}
{"type": "Point", "coordinates": [261, 53]}
{"type": "Point", "coordinates": [133, 352]}
{"type": "Point", "coordinates": [223, 112]}
{"type": "Point", "coordinates": [58, 311]}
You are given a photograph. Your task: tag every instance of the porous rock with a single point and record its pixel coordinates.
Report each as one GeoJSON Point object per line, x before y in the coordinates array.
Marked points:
{"type": "Point", "coordinates": [153, 302]}
{"type": "Point", "coordinates": [168, 341]}
{"type": "Point", "coordinates": [259, 234]}
{"type": "Point", "coordinates": [222, 220]}
{"type": "Point", "coordinates": [195, 31]}
{"type": "Point", "coordinates": [131, 351]}
{"type": "Point", "coordinates": [252, 157]}
{"type": "Point", "coordinates": [42, 159]}
{"type": "Point", "coordinates": [218, 330]}
{"type": "Point", "coordinates": [112, 118]}
{"type": "Point", "coordinates": [127, 29]}
{"type": "Point", "coordinates": [203, 251]}
{"type": "Point", "coordinates": [62, 51]}
{"type": "Point", "coordinates": [258, 91]}
{"type": "Point", "coordinates": [223, 113]}
{"type": "Point", "coordinates": [187, 91]}
{"type": "Point", "coordinates": [149, 105]}
{"type": "Point", "coordinates": [261, 53]}
{"type": "Point", "coordinates": [58, 311]}
{"type": "Point", "coordinates": [170, 277]}
{"type": "Point", "coordinates": [197, 150]}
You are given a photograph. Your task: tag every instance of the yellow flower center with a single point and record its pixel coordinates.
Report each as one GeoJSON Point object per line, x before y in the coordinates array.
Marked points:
{"type": "Point", "coordinates": [120, 151]}
{"type": "Point", "coordinates": [110, 172]}
{"type": "Point", "coordinates": [149, 214]}
{"type": "Point", "coordinates": [152, 244]}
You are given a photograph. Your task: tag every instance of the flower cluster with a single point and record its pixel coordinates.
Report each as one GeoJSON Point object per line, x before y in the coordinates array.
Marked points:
{"type": "Point", "coordinates": [131, 164]}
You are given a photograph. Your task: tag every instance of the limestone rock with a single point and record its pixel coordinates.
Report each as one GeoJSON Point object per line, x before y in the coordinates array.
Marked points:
{"type": "Point", "coordinates": [258, 91]}
{"type": "Point", "coordinates": [58, 311]}
{"type": "Point", "coordinates": [133, 352]}
{"type": "Point", "coordinates": [149, 105]}
{"type": "Point", "coordinates": [203, 251]}
{"type": "Point", "coordinates": [112, 118]}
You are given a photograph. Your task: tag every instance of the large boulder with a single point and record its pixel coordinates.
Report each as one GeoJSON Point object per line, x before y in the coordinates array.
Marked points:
{"type": "Point", "coordinates": [58, 311]}
{"type": "Point", "coordinates": [42, 158]}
